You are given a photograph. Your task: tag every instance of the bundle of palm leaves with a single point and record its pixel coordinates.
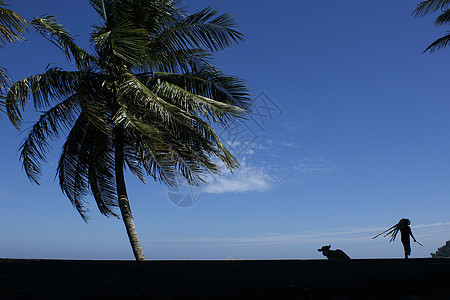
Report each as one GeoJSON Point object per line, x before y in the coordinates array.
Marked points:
{"type": "Point", "coordinates": [401, 225]}
{"type": "Point", "coordinates": [392, 230]}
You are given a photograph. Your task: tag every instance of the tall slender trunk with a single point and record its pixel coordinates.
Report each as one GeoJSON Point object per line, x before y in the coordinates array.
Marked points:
{"type": "Point", "coordinates": [124, 204]}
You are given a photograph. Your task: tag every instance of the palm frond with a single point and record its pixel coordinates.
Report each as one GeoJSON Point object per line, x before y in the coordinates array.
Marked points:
{"type": "Point", "coordinates": [54, 32]}
{"type": "Point", "coordinates": [227, 88]}
{"type": "Point", "coordinates": [86, 166]}
{"type": "Point", "coordinates": [2, 103]}
{"type": "Point", "coordinates": [104, 8]}
{"type": "Point", "coordinates": [430, 6]}
{"type": "Point", "coordinates": [103, 189]}
{"type": "Point", "coordinates": [11, 26]}
{"type": "Point", "coordinates": [133, 162]}
{"type": "Point", "coordinates": [53, 84]}
{"type": "Point", "coordinates": [202, 30]}
{"type": "Point", "coordinates": [226, 93]}
{"type": "Point", "coordinates": [101, 174]}
{"type": "Point", "coordinates": [162, 152]}
{"type": "Point", "coordinates": [72, 168]}
{"type": "Point", "coordinates": [157, 163]}
{"type": "Point", "coordinates": [212, 83]}
{"type": "Point", "coordinates": [36, 145]}
{"type": "Point", "coordinates": [189, 167]}
{"type": "Point", "coordinates": [4, 79]}
{"type": "Point", "coordinates": [125, 41]}
{"type": "Point", "coordinates": [189, 149]}
{"type": "Point", "coordinates": [181, 133]}
{"type": "Point", "coordinates": [151, 15]}
{"type": "Point", "coordinates": [160, 59]}
{"type": "Point", "coordinates": [96, 102]}
{"type": "Point", "coordinates": [438, 44]}
{"type": "Point", "coordinates": [444, 18]}
{"type": "Point", "coordinates": [133, 92]}
{"type": "Point", "coordinates": [147, 144]}
{"type": "Point", "coordinates": [219, 149]}
{"type": "Point", "coordinates": [214, 111]}
{"type": "Point", "coordinates": [202, 139]}
{"type": "Point", "coordinates": [193, 151]}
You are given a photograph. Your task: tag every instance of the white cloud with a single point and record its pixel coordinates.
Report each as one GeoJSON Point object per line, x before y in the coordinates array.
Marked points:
{"type": "Point", "coordinates": [266, 167]}
{"type": "Point", "coordinates": [431, 231]}
{"type": "Point", "coordinates": [245, 179]}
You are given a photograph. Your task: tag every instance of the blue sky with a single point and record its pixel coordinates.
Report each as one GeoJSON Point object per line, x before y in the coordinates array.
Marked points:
{"type": "Point", "coordinates": [350, 134]}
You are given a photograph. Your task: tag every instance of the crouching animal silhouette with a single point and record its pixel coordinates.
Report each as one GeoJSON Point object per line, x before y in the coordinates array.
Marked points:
{"type": "Point", "coordinates": [337, 254]}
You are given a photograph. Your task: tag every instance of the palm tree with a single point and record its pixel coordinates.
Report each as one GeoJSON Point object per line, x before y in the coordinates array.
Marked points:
{"type": "Point", "coordinates": [430, 6]}
{"type": "Point", "coordinates": [11, 27]}
{"type": "Point", "coordinates": [145, 100]}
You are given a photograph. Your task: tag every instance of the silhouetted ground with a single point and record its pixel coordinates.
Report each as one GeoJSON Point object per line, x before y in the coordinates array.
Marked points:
{"type": "Point", "coordinates": [264, 279]}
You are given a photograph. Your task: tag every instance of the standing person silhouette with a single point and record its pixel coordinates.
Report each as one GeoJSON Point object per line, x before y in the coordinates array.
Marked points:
{"type": "Point", "coordinates": [405, 232]}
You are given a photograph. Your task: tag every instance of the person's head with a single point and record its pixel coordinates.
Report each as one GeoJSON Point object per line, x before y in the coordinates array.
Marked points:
{"type": "Point", "coordinates": [405, 221]}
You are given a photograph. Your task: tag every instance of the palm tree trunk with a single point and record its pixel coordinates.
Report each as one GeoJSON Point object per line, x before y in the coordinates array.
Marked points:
{"type": "Point", "coordinates": [122, 195]}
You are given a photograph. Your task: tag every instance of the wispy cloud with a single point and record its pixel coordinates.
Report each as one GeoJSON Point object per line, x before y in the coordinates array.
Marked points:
{"type": "Point", "coordinates": [246, 179]}
{"type": "Point", "coordinates": [281, 239]}
{"type": "Point", "coordinates": [290, 145]}
{"type": "Point", "coordinates": [346, 235]}
{"type": "Point", "coordinates": [431, 231]}
{"type": "Point", "coordinates": [309, 167]}
{"type": "Point", "coordinates": [267, 166]}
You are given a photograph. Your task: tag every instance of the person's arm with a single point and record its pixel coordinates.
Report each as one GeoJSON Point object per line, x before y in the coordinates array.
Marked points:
{"type": "Point", "coordinates": [410, 232]}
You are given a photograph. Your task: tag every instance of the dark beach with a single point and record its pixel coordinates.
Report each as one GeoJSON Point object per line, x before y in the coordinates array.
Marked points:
{"type": "Point", "coordinates": [267, 279]}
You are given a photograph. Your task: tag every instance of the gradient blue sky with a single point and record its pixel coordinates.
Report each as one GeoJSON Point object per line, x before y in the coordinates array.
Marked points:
{"type": "Point", "coordinates": [351, 134]}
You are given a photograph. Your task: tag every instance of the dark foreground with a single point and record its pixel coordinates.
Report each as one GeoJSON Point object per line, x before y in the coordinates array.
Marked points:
{"type": "Point", "coordinates": [265, 279]}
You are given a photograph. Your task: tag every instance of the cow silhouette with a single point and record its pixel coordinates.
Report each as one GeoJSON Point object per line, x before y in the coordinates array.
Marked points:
{"type": "Point", "coordinates": [337, 254]}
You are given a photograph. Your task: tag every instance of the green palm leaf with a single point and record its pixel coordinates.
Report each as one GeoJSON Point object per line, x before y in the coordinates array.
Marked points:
{"type": "Point", "coordinates": [50, 29]}
{"type": "Point", "coordinates": [134, 92]}
{"type": "Point", "coordinates": [213, 110]}
{"type": "Point", "coordinates": [4, 79]}
{"type": "Point", "coordinates": [151, 15]}
{"type": "Point", "coordinates": [11, 26]}
{"type": "Point", "coordinates": [86, 166]}
{"type": "Point", "coordinates": [230, 91]}
{"type": "Point", "coordinates": [36, 145]}
{"type": "Point", "coordinates": [103, 7]}
{"type": "Point", "coordinates": [72, 166]}
{"type": "Point", "coordinates": [53, 84]}
{"type": "Point", "coordinates": [125, 41]}
{"type": "Point", "coordinates": [203, 30]}
{"type": "Point", "coordinates": [150, 148]}
{"type": "Point", "coordinates": [160, 59]}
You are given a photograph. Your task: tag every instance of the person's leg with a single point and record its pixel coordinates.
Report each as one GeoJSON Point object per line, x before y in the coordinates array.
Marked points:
{"type": "Point", "coordinates": [407, 247]}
